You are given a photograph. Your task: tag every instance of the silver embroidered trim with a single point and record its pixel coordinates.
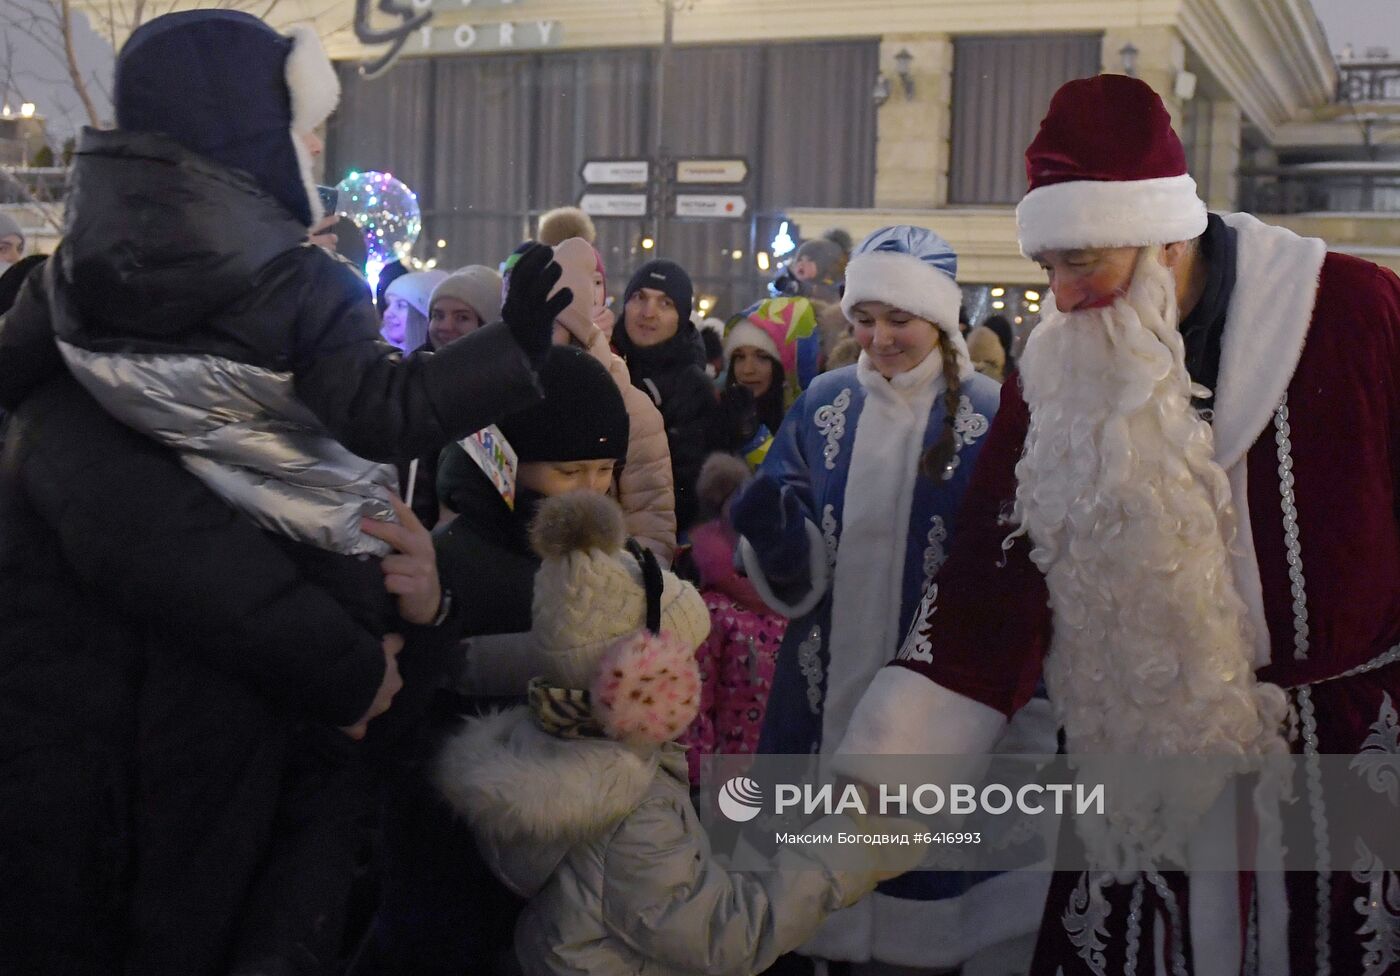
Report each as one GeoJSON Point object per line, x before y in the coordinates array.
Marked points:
{"type": "Point", "coordinates": [1380, 910]}
{"type": "Point", "coordinates": [916, 646]}
{"type": "Point", "coordinates": [809, 662]}
{"type": "Point", "coordinates": [1375, 664]}
{"type": "Point", "coordinates": [1251, 933]}
{"type": "Point", "coordinates": [968, 425]}
{"type": "Point", "coordinates": [829, 534]}
{"type": "Point", "coordinates": [1318, 808]}
{"type": "Point", "coordinates": [1085, 921]}
{"type": "Point", "coordinates": [831, 421]}
{"type": "Point", "coordinates": [1379, 757]}
{"type": "Point", "coordinates": [1169, 899]}
{"type": "Point", "coordinates": [1134, 935]}
{"type": "Point", "coordinates": [935, 553]}
{"type": "Point", "coordinates": [1282, 437]}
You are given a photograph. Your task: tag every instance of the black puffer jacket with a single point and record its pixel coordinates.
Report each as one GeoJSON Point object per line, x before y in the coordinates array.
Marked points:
{"type": "Point", "coordinates": [165, 670]}
{"type": "Point", "coordinates": [672, 374]}
{"type": "Point", "coordinates": [485, 555]}
{"type": "Point", "coordinates": [157, 656]}
{"type": "Point", "coordinates": [210, 264]}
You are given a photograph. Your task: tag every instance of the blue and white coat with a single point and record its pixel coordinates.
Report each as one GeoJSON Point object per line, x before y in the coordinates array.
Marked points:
{"type": "Point", "coordinates": [850, 447]}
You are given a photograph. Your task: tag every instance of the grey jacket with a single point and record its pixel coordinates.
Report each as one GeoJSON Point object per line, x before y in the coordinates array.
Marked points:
{"type": "Point", "coordinates": [604, 841]}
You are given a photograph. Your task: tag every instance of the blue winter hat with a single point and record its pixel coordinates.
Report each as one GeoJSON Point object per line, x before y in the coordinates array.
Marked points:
{"type": "Point", "coordinates": [913, 269]}
{"type": "Point", "coordinates": [227, 86]}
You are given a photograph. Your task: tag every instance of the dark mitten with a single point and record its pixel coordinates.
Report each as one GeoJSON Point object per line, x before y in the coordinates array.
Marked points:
{"type": "Point", "coordinates": [738, 415]}
{"type": "Point", "coordinates": [529, 310]}
{"type": "Point", "coordinates": [770, 516]}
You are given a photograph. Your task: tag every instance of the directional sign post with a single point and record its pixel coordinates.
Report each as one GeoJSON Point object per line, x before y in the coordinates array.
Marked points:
{"type": "Point", "coordinates": [614, 204]}
{"type": "Point", "coordinates": [711, 170]}
{"type": "Point", "coordinates": [631, 172]}
{"type": "Point", "coordinates": [710, 205]}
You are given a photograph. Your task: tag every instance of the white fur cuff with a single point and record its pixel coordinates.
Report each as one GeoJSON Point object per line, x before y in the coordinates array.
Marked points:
{"type": "Point", "coordinates": [1093, 213]}
{"type": "Point", "coordinates": [903, 713]}
{"type": "Point", "coordinates": [819, 576]}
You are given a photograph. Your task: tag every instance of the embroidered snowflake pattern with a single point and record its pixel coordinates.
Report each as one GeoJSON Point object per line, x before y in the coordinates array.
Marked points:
{"type": "Point", "coordinates": [916, 645]}
{"type": "Point", "coordinates": [1379, 757]}
{"type": "Point", "coordinates": [809, 662]}
{"type": "Point", "coordinates": [935, 554]}
{"type": "Point", "coordinates": [831, 421]}
{"type": "Point", "coordinates": [829, 534]}
{"type": "Point", "coordinates": [1085, 921]}
{"type": "Point", "coordinates": [1380, 912]}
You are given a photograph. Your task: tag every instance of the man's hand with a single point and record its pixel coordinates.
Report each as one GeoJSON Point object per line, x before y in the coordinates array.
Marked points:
{"type": "Point", "coordinates": [319, 233]}
{"type": "Point", "coordinates": [388, 688]}
{"type": "Point", "coordinates": [410, 572]}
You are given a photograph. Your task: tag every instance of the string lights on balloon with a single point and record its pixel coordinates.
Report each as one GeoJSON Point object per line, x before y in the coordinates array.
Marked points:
{"type": "Point", "coordinates": [387, 212]}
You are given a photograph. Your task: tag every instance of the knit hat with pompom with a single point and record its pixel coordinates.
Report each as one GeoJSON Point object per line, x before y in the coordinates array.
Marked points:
{"type": "Point", "coordinates": [593, 599]}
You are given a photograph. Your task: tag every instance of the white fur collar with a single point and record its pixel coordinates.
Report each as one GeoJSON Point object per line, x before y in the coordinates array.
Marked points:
{"type": "Point", "coordinates": [513, 780]}
{"type": "Point", "coordinates": [1276, 276]}
{"type": "Point", "coordinates": [901, 386]}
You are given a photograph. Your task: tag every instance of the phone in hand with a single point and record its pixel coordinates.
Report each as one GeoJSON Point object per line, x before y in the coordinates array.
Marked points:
{"type": "Point", "coordinates": [330, 199]}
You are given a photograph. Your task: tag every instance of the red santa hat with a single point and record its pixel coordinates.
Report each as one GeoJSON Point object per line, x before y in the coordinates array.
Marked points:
{"type": "Point", "coordinates": [1106, 170]}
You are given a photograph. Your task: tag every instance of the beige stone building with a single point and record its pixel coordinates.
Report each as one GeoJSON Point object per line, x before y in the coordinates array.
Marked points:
{"type": "Point", "coordinates": [851, 113]}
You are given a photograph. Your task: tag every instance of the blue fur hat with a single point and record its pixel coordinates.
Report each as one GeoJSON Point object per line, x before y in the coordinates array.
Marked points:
{"type": "Point", "coordinates": [913, 269]}
{"type": "Point", "coordinates": [227, 86]}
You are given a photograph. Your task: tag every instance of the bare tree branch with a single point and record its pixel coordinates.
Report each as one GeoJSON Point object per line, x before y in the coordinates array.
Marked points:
{"type": "Point", "coordinates": [75, 71]}
{"type": "Point", "coordinates": [46, 210]}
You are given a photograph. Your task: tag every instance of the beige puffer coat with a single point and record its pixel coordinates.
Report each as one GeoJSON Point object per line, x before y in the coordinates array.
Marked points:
{"type": "Point", "coordinates": [605, 843]}
{"type": "Point", "coordinates": [645, 488]}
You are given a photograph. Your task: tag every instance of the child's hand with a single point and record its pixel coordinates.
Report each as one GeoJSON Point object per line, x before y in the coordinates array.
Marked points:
{"type": "Point", "coordinates": [410, 572]}
{"type": "Point", "coordinates": [388, 687]}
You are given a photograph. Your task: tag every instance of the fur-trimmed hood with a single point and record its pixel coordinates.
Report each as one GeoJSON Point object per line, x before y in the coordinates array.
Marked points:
{"type": "Point", "coordinates": [530, 797]}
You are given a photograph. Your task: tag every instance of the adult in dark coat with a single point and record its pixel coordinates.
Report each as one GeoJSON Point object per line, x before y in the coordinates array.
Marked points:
{"type": "Point", "coordinates": [139, 656]}
{"type": "Point", "coordinates": [666, 359]}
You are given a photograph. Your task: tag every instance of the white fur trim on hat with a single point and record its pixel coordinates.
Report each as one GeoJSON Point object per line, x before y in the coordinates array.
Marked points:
{"type": "Point", "coordinates": [905, 282]}
{"type": "Point", "coordinates": [745, 333]}
{"type": "Point", "coordinates": [311, 80]}
{"type": "Point", "coordinates": [1094, 213]}
{"type": "Point", "coordinates": [315, 92]}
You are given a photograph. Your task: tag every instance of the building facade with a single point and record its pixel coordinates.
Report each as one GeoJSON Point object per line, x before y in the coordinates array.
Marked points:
{"type": "Point", "coordinates": [849, 113]}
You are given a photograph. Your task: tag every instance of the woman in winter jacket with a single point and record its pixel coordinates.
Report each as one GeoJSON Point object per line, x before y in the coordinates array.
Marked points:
{"type": "Point", "coordinates": [666, 360]}
{"type": "Point", "coordinates": [644, 485]}
{"type": "Point", "coordinates": [461, 303]}
{"type": "Point", "coordinates": [753, 401]}
{"type": "Point", "coordinates": [737, 660]}
{"type": "Point", "coordinates": [405, 322]}
{"type": "Point", "coordinates": [620, 879]}
{"type": "Point", "coordinates": [846, 521]}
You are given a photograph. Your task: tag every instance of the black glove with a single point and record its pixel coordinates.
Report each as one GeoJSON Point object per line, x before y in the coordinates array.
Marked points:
{"type": "Point", "coordinates": [529, 311]}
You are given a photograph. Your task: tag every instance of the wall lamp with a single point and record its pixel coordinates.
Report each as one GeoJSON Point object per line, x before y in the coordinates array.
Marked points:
{"type": "Point", "coordinates": [1127, 55]}
{"type": "Point", "coordinates": [903, 63]}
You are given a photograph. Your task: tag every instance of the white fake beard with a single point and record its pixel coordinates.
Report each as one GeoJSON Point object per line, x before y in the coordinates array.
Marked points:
{"type": "Point", "coordinates": [1130, 519]}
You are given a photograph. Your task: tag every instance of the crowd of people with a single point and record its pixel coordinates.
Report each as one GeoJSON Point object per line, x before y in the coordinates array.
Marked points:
{"type": "Point", "coordinates": [357, 632]}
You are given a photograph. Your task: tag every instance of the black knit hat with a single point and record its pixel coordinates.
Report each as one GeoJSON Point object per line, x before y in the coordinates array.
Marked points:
{"type": "Point", "coordinates": [667, 277]}
{"type": "Point", "coordinates": [581, 418]}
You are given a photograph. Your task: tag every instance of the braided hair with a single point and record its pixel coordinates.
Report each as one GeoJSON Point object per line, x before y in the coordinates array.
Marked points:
{"type": "Point", "coordinates": [937, 461]}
